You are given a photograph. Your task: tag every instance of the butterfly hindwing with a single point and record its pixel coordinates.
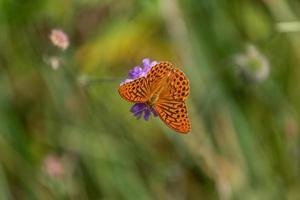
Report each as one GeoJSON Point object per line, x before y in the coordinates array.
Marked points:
{"type": "Point", "coordinates": [180, 85]}
{"type": "Point", "coordinates": [173, 114]}
{"type": "Point", "coordinates": [136, 91]}
{"type": "Point", "coordinates": [171, 106]}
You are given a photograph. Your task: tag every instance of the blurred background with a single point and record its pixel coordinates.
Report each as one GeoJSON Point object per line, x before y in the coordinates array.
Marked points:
{"type": "Point", "coordinates": [65, 133]}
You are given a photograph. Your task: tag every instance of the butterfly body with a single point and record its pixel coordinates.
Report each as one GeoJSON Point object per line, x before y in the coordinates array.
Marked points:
{"type": "Point", "coordinates": [152, 100]}
{"type": "Point", "coordinates": [161, 86]}
{"type": "Point", "coordinates": [165, 90]}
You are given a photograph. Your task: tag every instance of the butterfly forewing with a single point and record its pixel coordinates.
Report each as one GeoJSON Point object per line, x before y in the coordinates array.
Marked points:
{"type": "Point", "coordinates": [157, 74]}
{"type": "Point", "coordinates": [177, 86]}
{"type": "Point", "coordinates": [139, 90]}
{"type": "Point", "coordinates": [135, 91]}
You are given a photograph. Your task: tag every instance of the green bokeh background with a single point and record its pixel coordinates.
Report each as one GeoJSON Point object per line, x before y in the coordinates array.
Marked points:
{"type": "Point", "coordinates": [244, 142]}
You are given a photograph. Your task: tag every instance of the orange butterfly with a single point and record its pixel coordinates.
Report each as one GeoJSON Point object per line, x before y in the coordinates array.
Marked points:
{"type": "Point", "coordinates": [165, 90]}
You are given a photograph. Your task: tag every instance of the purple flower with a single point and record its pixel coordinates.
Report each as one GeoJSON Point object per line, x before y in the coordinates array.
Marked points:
{"type": "Point", "coordinates": [135, 72]}
{"type": "Point", "coordinates": [139, 109]}
{"type": "Point", "coordinates": [138, 72]}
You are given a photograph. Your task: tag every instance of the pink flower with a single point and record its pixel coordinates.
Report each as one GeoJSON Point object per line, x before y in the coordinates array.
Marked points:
{"type": "Point", "coordinates": [54, 166]}
{"type": "Point", "coordinates": [59, 39]}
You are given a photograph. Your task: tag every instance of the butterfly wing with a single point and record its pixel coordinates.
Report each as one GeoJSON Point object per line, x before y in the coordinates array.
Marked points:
{"type": "Point", "coordinates": [171, 106]}
{"type": "Point", "coordinates": [178, 86]}
{"type": "Point", "coordinates": [136, 91]}
{"type": "Point", "coordinates": [158, 73]}
{"type": "Point", "coordinates": [174, 114]}
{"type": "Point", "coordinates": [139, 90]}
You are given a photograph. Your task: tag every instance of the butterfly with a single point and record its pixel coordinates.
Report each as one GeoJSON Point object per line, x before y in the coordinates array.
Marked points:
{"type": "Point", "coordinates": [165, 90]}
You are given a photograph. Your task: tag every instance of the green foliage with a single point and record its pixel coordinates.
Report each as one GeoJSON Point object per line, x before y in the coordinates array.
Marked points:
{"type": "Point", "coordinates": [65, 133]}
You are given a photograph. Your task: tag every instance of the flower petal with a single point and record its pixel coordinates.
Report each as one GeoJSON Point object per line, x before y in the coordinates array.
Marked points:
{"type": "Point", "coordinates": [138, 115]}
{"type": "Point", "coordinates": [137, 107]}
{"type": "Point", "coordinates": [147, 114]}
{"type": "Point", "coordinates": [146, 62]}
{"type": "Point", "coordinates": [147, 65]}
{"type": "Point", "coordinates": [126, 81]}
{"type": "Point", "coordinates": [154, 112]}
{"type": "Point", "coordinates": [135, 72]}
{"type": "Point", "coordinates": [153, 63]}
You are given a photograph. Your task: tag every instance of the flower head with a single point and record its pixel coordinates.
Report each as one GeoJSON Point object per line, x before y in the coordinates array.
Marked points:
{"type": "Point", "coordinates": [138, 72]}
{"type": "Point", "coordinates": [54, 166]}
{"type": "Point", "coordinates": [53, 61]}
{"type": "Point", "coordinates": [253, 66]}
{"type": "Point", "coordinates": [59, 39]}
{"type": "Point", "coordinates": [139, 109]}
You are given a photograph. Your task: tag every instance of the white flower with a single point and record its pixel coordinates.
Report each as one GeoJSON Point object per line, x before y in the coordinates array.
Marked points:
{"type": "Point", "coordinates": [252, 65]}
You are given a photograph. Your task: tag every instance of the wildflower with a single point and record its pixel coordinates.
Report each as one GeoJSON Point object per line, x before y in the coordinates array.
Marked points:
{"type": "Point", "coordinates": [253, 66]}
{"type": "Point", "coordinates": [139, 109]}
{"type": "Point", "coordinates": [53, 61]}
{"type": "Point", "coordinates": [54, 166]}
{"type": "Point", "coordinates": [290, 127]}
{"type": "Point", "coordinates": [59, 39]}
{"type": "Point", "coordinates": [138, 72]}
